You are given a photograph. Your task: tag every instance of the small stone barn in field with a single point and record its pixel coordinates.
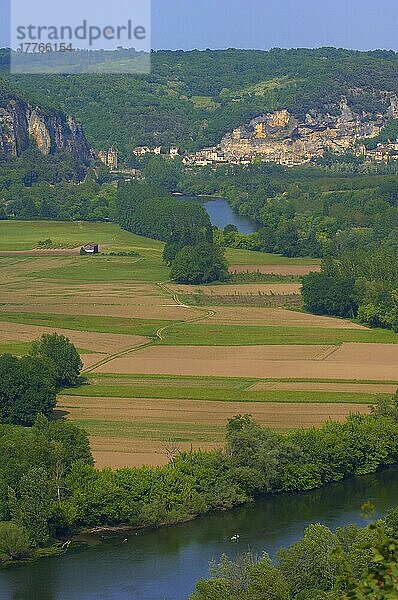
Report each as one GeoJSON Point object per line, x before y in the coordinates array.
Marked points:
{"type": "Point", "coordinates": [91, 248]}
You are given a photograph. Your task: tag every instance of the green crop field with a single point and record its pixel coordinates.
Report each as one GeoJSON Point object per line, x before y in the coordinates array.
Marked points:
{"type": "Point", "coordinates": [179, 391]}
{"type": "Point", "coordinates": [197, 334]}
{"type": "Point", "coordinates": [25, 235]}
{"type": "Point", "coordinates": [145, 268]}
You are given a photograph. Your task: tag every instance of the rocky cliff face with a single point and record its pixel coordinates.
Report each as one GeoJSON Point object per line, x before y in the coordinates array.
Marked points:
{"type": "Point", "coordinates": [280, 137]}
{"type": "Point", "coordinates": [21, 125]}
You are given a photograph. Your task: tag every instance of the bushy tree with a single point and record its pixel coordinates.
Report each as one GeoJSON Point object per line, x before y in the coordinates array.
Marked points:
{"type": "Point", "coordinates": [327, 295]}
{"type": "Point", "coordinates": [202, 263]}
{"type": "Point", "coordinates": [27, 388]}
{"type": "Point", "coordinates": [31, 504]}
{"type": "Point", "coordinates": [247, 577]}
{"type": "Point", "coordinates": [61, 355]}
{"type": "Point", "coordinates": [15, 543]}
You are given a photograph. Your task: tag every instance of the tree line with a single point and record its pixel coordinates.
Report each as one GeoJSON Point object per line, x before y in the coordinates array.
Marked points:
{"type": "Point", "coordinates": [49, 487]}
{"type": "Point", "coordinates": [303, 211]}
{"type": "Point", "coordinates": [359, 284]}
{"type": "Point", "coordinates": [190, 250]}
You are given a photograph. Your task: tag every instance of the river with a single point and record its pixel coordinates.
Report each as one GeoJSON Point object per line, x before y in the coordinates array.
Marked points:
{"type": "Point", "coordinates": [164, 564]}
{"type": "Point", "coordinates": [221, 214]}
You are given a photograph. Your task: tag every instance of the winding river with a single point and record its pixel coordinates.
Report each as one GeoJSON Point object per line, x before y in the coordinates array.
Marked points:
{"type": "Point", "coordinates": [164, 564]}
{"type": "Point", "coordinates": [222, 214]}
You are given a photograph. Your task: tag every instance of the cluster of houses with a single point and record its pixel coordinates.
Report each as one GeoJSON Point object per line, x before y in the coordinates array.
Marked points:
{"type": "Point", "coordinates": [173, 151]}
{"type": "Point", "coordinates": [383, 153]}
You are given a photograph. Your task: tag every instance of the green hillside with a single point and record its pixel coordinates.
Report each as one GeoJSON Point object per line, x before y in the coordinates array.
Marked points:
{"type": "Point", "coordinates": [193, 98]}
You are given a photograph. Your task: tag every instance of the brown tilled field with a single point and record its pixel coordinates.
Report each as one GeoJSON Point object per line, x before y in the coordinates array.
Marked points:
{"type": "Point", "coordinates": [108, 343]}
{"type": "Point", "coordinates": [130, 451]}
{"type": "Point", "coordinates": [279, 289]}
{"type": "Point", "coordinates": [275, 269]}
{"type": "Point", "coordinates": [242, 315]}
{"type": "Point", "coordinates": [136, 431]}
{"type": "Point", "coordinates": [285, 362]}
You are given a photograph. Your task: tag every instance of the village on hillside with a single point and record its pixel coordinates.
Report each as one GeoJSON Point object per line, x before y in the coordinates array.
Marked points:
{"type": "Point", "coordinates": [281, 138]}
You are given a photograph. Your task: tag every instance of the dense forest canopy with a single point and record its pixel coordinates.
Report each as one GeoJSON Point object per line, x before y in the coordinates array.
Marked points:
{"type": "Point", "coordinates": [193, 98]}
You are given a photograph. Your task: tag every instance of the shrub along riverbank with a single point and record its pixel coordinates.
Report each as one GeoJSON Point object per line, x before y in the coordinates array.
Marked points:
{"type": "Point", "coordinates": [351, 563]}
{"type": "Point", "coordinates": [49, 487]}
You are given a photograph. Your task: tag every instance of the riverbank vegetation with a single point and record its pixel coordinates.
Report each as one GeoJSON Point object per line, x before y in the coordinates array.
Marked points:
{"type": "Point", "coordinates": [49, 487]}
{"type": "Point", "coordinates": [349, 564]}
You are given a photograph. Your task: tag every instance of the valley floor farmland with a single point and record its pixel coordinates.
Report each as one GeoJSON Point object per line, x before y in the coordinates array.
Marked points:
{"type": "Point", "coordinates": [164, 376]}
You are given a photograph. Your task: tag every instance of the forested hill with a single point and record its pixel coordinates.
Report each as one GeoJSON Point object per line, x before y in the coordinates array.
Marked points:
{"type": "Point", "coordinates": [193, 98]}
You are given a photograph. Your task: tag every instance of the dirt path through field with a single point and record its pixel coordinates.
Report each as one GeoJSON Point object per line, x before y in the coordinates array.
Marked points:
{"type": "Point", "coordinates": [109, 343]}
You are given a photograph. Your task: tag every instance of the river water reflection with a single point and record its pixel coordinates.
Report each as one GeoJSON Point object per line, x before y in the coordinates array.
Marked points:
{"type": "Point", "coordinates": [164, 564]}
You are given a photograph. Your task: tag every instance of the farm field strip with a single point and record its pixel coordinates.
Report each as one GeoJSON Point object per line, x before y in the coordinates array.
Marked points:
{"type": "Point", "coordinates": [87, 323]}
{"type": "Point", "coordinates": [276, 317]}
{"type": "Point", "coordinates": [209, 381]}
{"type": "Point", "coordinates": [246, 257]}
{"type": "Point", "coordinates": [176, 412]}
{"type": "Point", "coordinates": [160, 372]}
{"type": "Point", "coordinates": [275, 269]}
{"type": "Point", "coordinates": [159, 431]}
{"type": "Point", "coordinates": [92, 342]}
{"type": "Point", "coordinates": [377, 362]}
{"type": "Point", "coordinates": [239, 288]}
{"type": "Point", "coordinates": [139, 432]}
{"type": "Point", "coordinates": [209, 333]}
{"type": "Point", "coordinates": [288, 394]}
{"type": "Point", "coordinates": [25, 235]}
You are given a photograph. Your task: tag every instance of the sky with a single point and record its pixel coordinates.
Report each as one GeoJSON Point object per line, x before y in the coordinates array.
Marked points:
{"type": "Point", "coordinates": [262, 24]}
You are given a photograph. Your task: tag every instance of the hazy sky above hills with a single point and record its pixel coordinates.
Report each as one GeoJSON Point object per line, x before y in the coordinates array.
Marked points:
{"type": "Point", "coordinates": [187, 24]}
{"type": "Point", "coordinates": [359, 24]}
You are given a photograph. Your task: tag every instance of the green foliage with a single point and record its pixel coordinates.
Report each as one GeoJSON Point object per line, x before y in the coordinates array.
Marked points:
{"type": "Point", "coordinates": [353, 563]}
{"type": "Point", "coordinates": [48, 485]}
{"type": "Point", "coordinates": [31, 504]}
{"type": "Point", "coordinates": [361, 283]}
{"type": "Point", "coordinates": [34, 464]}
{"type": "Point", "coordinates": [27, 388]}
{"type": "Point", "coordinates": [162, 171]}
{"type": "Point", "coordinates": [248, 577]}
{"type": "Point", "coordinates": [202, 263]}
{"type": "Point", "coordinates": [326, 295]}
{"type": "Point", "coordinates": [153, 212]}
{"type": "Point", "coordinates": [310, 563]}
{"type": "Point", "coordinates": [379, 580]}
{"type": "Point", "coordinates": [59, 352]}
{"type": "Point", "coordinates": [386, 407]}
{"type": "Point", "coordinates": [15, 543]}
{"type": "Point", "coordinates": [195, 97]}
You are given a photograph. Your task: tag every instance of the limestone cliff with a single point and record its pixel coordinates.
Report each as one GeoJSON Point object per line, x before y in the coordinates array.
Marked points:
{"type": "Point", "coordinates": [21, 125]}
{"type": "Point", "coordinates": [280, 137]}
